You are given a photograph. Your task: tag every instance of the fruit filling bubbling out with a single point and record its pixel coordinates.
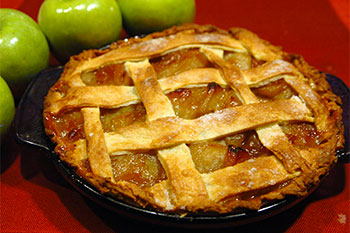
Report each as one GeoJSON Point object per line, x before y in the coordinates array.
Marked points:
{"type": "Point", "coordinates": [143, 167]}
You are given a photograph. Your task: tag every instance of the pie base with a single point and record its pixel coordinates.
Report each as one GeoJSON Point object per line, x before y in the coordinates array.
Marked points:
{"type": "Point", "coordinates": [289, 170]}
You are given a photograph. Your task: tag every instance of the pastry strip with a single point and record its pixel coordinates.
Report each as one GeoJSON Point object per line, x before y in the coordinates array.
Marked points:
{"type": "Point", "coordinates": [160, 195]}
{"type": "Point", "coordinates": [268, 72]}
{"type": "Point", "coordinates": [258, 48]}
{"type": "Point", "coordinates": [250, 175]}
{"type": "Point", "coordinates": [101, 96]}
{"type": "Point", "coordinates": [149, 135]}
{"type": "Point", "coordinates": [159, 46]}
{"type": "Point", "coordinates": [191, 78]}
{"type": "Point", "coordinates": [98, 156]}
{"type": "Point", "coordinates": [312, 99]}
{"type": "Point", "coordinates": [186, 182]}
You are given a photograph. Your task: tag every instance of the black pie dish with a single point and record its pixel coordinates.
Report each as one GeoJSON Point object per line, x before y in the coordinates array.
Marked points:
{"type": "Point", "coordinates": [29, 129]}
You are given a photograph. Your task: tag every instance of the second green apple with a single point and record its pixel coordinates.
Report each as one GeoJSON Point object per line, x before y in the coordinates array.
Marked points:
{"type": "Point", "coordinates": [146, 16]}
{"type": "Point", "coordinates": [75, 25]}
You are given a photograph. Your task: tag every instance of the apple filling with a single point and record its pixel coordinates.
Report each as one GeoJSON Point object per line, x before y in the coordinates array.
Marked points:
{"type": "Point", "coordinates": [69, 126]}
{"type": "Point", "coordinates": [302, 135]}
{"type": "Point", "coordinates": [143, 169]}
{"type": "Point", "coordinates": [229, 151]}
{"type": "Point", "coordinates": [179, 61]}
{"type": "Point", "coordinates": [112, 74]}
{"type": "Point", "coordinates": [190, 103]}
{"type": "Point", "coordinates": [275, 90]}
{"type": "Point", "coordinates": [112, 119]}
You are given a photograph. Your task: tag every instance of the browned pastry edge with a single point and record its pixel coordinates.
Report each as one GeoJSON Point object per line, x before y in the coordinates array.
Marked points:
{"type": "Point", "coordinates": [332, 139]}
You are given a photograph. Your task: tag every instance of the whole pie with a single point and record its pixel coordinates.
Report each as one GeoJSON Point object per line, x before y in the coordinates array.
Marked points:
{"type": "Point", "coordinates": [195, 119]}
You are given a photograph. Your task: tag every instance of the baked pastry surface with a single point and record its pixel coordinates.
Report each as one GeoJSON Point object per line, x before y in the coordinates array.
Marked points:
{"type": "Point", "coordinates": [195, 119]}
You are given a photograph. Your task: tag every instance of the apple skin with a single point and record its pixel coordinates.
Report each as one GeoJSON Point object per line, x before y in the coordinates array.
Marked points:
{"type": "Point", "coordinates": [24, 50]}
{"type": "Point", "coordinates": [7, 110]}
{"type": "Point", "coordinates": [146, 16]}
{"type": "Point", "coordinates": [74, 25]}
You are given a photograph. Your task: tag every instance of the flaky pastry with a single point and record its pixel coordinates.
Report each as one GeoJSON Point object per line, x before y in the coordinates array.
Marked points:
{"type": "Point", "coordinates": [195, 119]}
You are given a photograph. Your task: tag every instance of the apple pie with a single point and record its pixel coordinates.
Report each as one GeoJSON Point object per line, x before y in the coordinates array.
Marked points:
{"type": "Point", "coordinates": [195, 119]}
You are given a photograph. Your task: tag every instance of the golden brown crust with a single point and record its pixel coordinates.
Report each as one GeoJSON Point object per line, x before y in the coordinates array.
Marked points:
{"type": "Point", "coordinates": [289, 170]}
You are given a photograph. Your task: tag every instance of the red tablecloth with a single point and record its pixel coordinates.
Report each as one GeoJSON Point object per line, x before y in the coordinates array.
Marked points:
{"type": "Point", "coordinates": [35, 198]}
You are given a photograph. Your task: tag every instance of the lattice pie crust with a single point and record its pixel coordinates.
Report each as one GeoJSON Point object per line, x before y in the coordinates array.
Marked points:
{"type": "Point", "coordinates": [258, 123]}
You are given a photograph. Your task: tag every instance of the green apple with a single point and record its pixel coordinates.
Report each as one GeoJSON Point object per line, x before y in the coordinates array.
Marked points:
{"type": "Point", "coordinates": [7, 109]}
{"type": "Point", "coordinates": [24, 50]}
{"type": "Point", "coordinates": [74, 25]}
{"type": "Point", "coordinates": [145, 16]}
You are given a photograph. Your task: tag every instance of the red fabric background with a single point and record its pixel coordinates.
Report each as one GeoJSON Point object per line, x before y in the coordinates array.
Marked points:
{"type": "Point", "coordinates": [35, 198]}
